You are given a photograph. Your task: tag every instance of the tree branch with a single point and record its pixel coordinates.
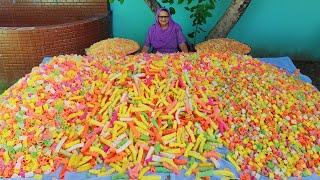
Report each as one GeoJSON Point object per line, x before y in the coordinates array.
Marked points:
{"type": "Point", "coordinates": [153, 5]}
{"type": "Point", "coordinates": [229, 19]}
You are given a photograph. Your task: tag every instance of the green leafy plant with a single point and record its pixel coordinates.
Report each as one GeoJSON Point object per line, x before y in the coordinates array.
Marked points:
{"type": "Point", "coordinates": [200, 11]}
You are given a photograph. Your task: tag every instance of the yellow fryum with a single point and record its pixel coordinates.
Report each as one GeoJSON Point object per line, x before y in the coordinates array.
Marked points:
{"type": "Point", "coordinates": [97, 150]}
{"type": "Point", "coordinates": [151, 178]}
{"type": "Point", "coordinates": [230, 159]}
{"type": "Point", "coordinates": [140, 153]}
{"type": "Point", "coordinates": [192, 167]}
{"type": "Point", "coordinates": [84, 160]}
{"type": "Point", "coordinates": [93, 122]}
{"type": "Point", "coordinates": [84, 167]}
{"type": "Point", "coordinates": [134, 152]}
{"type": "Point", "coordinates": [188, 149]}
{"type": "Point", "coordinates": [189, 131]}
{"type": "Point", "coordinates": [198, 141]}
{"type": "Point", "coordinates": [197, 156]}
{"type": "Point", "coordinates": [202, 145]}
{"type": "Point", "coordinates": [169, 137]}
{"type": "Point", "coordinates": [143, 171]}
{"type": "Point", "coordinates": [117, 167]}
{"type": "Point", "coordinates": [225, 173]}
{"type": "Point", "coordinates": [67, 145]}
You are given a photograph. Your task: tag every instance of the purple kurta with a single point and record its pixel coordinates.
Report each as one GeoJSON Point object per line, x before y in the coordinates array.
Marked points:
{"type": "Point", "coordinates": [167, 40]}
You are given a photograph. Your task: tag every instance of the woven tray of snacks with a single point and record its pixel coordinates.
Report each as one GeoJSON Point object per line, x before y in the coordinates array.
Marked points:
{"type": "Point", "coordinates": [223, 45]}
{"type": "Point", "coordinates": [113, 46]}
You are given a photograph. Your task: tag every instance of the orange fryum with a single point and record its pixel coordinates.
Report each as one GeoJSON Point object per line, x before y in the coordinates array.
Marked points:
{"type": "Point", "coordinates": [63, 172]}
{"type": "Point", "coordinates": [8, 171]}
{"type": "Point", "coordinates": [88, 143]}
{"type": "Point", "coordinates": [164, 73]}
{"type": "Point", "coordinates": [168, 131]}
{"type": "Point", "coordinates": [170, 167]}
{"type": "Point", "coordinates": [58, 161]}
{"type": "Point", "coordinates": [114, 159]}
{"type": "Point", "coordinates": [171, 106]}
{"type": "Point", "coordinates": [85, 131]}
{"type": "Point", "coordinates": [212, 154]}
{"type": "Point", "coordinates": [245, 176]}
{"type": "Point", "coordinates": [155, 134]}
{"type": "Point", "coordinates": [195, 171]}
{"type": "Point", "coordinates": [180, 161]}
{"type": "Point", "coordinates": [134, 129]}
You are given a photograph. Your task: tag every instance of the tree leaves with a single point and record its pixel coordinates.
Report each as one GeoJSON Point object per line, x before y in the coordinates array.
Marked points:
{"type": "Point", "coordinates": [172, 10]}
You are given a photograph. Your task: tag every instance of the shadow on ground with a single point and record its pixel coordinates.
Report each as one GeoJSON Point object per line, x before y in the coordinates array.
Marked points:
{"type": "Point", "coordinates": [311, 69]}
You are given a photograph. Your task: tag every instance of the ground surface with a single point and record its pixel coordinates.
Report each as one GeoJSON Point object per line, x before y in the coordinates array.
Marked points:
{"type": "Point", "coordinates": [311, 69]}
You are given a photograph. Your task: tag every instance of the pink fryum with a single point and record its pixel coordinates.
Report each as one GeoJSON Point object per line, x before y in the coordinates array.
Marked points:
{"type": "Point", "coordinates": [2, 167]}
{"type": "Point", "coordinates": [187, 66]}
{"type": "Point", "coordinates": [181, 83]}
{"type": "Point", "coordinates": [106, 148]}
{"type": "Point", "coordinates": [222, 126]}
{"type": "Point", "coordinates": [148, 80]}
{"type": "Point", "coordinates": [84, 115]}
{"type": "Point", "coordinates": [134, 172]}
{"type": "Point", "coordinates": [113, 118]}
{"type": "Point", "coordinates": [211, 102]}
{"type": "Point", "coordinates": [22, 173]}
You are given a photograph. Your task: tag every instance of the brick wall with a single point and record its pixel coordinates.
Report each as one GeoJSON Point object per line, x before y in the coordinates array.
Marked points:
{"type": "Point", "coordinates": [67, 27]}
{"type": "Point", "coordinates": [44, 12]}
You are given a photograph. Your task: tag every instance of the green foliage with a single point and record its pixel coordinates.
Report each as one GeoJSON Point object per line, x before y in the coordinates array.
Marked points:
{"type": "Point", "coordinates": [199, 10]}
{"type": "Point", "coordinates": [3, 87]}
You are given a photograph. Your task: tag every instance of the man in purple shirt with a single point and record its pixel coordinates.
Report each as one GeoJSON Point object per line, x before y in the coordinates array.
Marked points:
{"type": "Point", "coordinates": [165, 36]}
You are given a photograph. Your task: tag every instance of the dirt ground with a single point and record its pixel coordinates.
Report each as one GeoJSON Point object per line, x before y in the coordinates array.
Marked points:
{"type": "Point", "coordinates": [311, 69]}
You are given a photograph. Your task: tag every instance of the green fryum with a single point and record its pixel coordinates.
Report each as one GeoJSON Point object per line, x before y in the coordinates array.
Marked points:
{"type": "Point", "coordinates": [34, 154]}
{"type": "Point", "coordinates": [170, 123]}
{"type": "Point", "coordinates": [154, 122]}
{"type": "Point", "coordinates": [11, 151]}
{"type": "Point", "coordinates": [162, 170]}
{"type": "Point", "coordinates": [259, 146]}
{"type": "Point", "coordinates": [192, 160]}
{"type": "Point", "coordinates": [157, 148]}
{"type": "Point", "coordinates": [120, 176]}
{"type": "Point", "coordinates": [271, 165]}
{"type": "Point", "coordinates": [202, 169]}
{"type": "Point", "coordinates": [316, 148]}
{"type": "Point", "coordinates": [48, 142]}
{"type": "Point", "coordinates": [187, 79]}
{"type": "Point", "coordinates": [122, 143]}
{"type": "Point", "coordinates": [144, 137]}
{"type": "Point", "coordinates": [209, 146]}
{"type": "Point", "coordinates": [145, 115]}
{"type": "Point", "coordinates": [206, 173]}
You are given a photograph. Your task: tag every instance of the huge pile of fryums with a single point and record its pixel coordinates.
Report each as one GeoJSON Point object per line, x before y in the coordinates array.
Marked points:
{"type": "Point", "coordinates": [159, 113]}
{"type": "Point", "coordinates": [113, 46]}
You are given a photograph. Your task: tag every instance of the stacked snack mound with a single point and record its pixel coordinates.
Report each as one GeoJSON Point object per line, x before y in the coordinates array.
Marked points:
{"type": "Point", "coordinates": [148, 114]}
{"type": "Point", "coordinates": [223, 45]}
{"type": "Point", "coordinates": [113, 46]}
